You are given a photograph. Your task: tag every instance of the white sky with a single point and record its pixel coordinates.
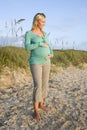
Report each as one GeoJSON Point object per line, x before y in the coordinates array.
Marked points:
{"type": "Point", "coordinates": [66, 20]}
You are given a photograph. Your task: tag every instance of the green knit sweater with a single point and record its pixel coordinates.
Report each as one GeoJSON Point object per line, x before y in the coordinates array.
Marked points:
{"type": "Point", "coordinates": [38, 52]}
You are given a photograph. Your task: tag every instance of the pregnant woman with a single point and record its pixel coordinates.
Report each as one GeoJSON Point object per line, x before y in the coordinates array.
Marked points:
{"type": "Point", "coordinates": [36, 40]}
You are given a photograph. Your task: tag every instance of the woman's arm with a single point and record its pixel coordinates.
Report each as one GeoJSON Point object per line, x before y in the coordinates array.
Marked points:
{"type": "Point", "coordinates": [47, 41]}
{"type": "Point", "coordinates": [28, 45]}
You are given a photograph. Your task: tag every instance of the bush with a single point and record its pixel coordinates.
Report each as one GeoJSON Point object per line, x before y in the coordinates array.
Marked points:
{"type": "Point", "coordinates": [13, 57]}
{"type": "Point", "coordinates": [16, 57]}
{"type": "Point", "coordinates": [69, 57]}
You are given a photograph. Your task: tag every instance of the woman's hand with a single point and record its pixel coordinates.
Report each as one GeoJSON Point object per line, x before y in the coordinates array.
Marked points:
{"type": "Point", "coordinates": [46, 45]}
{"type": "Point", "coordinates": [48, 57]}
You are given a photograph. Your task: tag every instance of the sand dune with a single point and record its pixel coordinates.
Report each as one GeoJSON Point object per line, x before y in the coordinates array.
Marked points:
{"type": "Point", "coordinates": [67, 96]}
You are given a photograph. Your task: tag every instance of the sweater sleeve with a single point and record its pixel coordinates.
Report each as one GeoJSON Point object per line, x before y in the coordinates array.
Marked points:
{"type": "Point", "coordinates": [47, 41]}
{"type": "Point", "coordinates": [51, 51]}
{"type": "Point", "coordinates": [28, 45]}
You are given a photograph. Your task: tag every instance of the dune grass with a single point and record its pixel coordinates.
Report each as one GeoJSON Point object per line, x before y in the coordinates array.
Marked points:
{"type": "Point", "coordinates": [16, 57]}
{"type": "Point", "coordinates": [13, 57]}
{"type": "Point", "coordinates": [66, 58]}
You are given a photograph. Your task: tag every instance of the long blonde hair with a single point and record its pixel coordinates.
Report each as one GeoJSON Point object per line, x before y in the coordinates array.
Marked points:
{"type": "Point", "coordinates": [37, 17]}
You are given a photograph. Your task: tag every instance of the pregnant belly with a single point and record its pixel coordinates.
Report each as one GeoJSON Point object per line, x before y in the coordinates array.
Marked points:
{"type": "Point", "coordinates": [41, 52]}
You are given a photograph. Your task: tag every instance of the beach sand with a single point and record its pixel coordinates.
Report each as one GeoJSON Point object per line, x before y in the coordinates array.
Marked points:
{"type": "Point", "coordinates": [67, 96]}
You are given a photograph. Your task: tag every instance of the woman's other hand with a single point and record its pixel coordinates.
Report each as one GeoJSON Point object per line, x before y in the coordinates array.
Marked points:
{"type": "Point", "coordinates": [48, 57]}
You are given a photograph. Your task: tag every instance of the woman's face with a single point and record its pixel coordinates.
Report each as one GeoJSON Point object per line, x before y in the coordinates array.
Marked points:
{"type": "Point", "coordinates": [41, 23]}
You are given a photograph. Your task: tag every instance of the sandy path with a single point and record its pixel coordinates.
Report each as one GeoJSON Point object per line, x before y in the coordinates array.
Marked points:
{"type": "Point", "coordinates": [67, 96]}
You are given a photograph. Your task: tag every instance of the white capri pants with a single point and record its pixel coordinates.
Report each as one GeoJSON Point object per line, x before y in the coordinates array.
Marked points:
{"type": "Point", "coordinates": [40, 74]}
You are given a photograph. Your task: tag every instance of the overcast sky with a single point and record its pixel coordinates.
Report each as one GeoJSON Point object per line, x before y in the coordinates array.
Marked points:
{"type": "Point", "coordinates": [66, 20]}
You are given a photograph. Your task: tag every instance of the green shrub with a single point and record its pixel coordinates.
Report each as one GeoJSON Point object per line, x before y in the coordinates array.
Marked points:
{"type": "Point", "coordinates": [69, 57]}
{"type": "Point", "coordinates": [13, 57]}
{"type": "Point", "coordinates": [16, 57]}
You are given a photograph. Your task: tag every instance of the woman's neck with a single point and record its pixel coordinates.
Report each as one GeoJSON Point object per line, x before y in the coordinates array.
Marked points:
{"type": "Point", "coordinates": [38, 31]}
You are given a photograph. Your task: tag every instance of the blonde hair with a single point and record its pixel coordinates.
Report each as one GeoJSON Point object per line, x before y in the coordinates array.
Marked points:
{"type": "Point", "coordinates": [37, 17]}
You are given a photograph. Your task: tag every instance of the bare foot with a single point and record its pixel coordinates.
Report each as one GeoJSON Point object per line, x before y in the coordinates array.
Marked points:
{"type": "Point", "coordinates": [45, 108]}
{"type": "Point", "coordinates": [37, 116]}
